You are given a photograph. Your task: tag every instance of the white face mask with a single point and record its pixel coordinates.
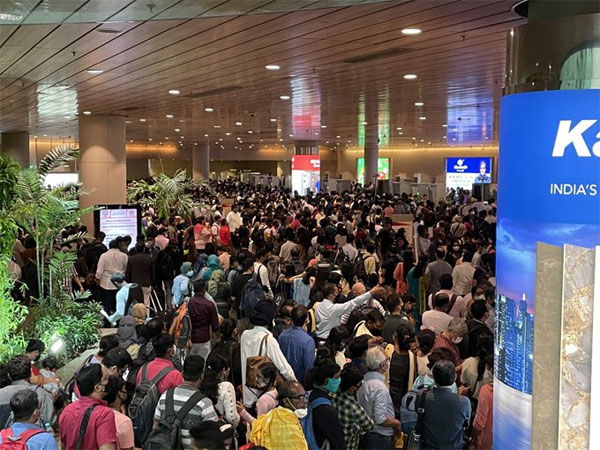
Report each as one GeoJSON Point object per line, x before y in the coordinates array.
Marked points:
{"type": "Point", "coordinates": [301, 413]}
{"type": "Point", "coordinates": [457, 340]}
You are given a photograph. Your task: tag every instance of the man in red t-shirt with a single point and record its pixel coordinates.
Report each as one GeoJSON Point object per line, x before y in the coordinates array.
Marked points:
{"type": "Point", "coordinates": [164, 348]}
{"type": "Point", "coordinates": [100, 432]}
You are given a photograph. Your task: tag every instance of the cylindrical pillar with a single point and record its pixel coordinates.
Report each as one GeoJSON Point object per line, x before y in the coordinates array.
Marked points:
{"type": "Point", "coordinates": [16, 145]}
{"type": "Point", "coordinates": [201, 161]}
{"type": "Point", "coordinates": [371, 152]}
{"type": "Point", "coordinates": [544, 392]}
{"type": "Point", "coordinates": [103, 166]}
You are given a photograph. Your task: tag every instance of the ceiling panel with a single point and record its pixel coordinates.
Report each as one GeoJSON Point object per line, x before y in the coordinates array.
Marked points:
{"type": "Point", "coordinates": [219, 62]}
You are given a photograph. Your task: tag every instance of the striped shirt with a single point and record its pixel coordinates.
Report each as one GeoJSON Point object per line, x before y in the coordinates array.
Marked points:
{"type": "Point", "coordinates": [203, 410]}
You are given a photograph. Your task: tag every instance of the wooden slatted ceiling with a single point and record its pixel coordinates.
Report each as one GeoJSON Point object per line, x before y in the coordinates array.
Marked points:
{"type": "Point", "coordinates": [459, 59]}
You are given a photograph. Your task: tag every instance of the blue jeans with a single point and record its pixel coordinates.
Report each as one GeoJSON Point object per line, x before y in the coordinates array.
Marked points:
{"type": "Point", "coordinates": [376, 441]}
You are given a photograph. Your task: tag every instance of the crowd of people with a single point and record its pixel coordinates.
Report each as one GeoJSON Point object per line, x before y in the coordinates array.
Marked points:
{"type": "Point", "coordinates": [283, 322]}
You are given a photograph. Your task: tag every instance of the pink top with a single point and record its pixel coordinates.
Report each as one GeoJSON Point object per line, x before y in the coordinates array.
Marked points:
{"type": "Point", "coordinates": [484, 419]}
{"type": "Point", "coordinates": [124, 426]}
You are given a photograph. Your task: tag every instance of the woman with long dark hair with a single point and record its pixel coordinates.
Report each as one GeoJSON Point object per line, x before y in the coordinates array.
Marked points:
{"type": "Point", "coordinates": [220, 391]}
{"type": "Point", "coordinates": [477, 370]}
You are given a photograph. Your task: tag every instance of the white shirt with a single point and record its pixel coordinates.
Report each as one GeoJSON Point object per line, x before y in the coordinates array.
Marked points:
{"type": "Point", "coordinates": [110, 262]}
{"type": "Point", "coordinates": [250, 346]}
{"type": "Point", "coordinates": [226, 403]}
{"type": "Point", "coordinates": [458, 310]}
{"type": "Point", "coordinates": [435, 320]}
{"type": "Point", "coordinates": [263, 273]}
{"type": "Point", "coordinates": [350, 251]}
{"type": "Point", "coordinates": [462, 278]}
{"type": "Point", "coordinates": [234, 220]}
{"type": "Point", "coordinates": [329, 315]}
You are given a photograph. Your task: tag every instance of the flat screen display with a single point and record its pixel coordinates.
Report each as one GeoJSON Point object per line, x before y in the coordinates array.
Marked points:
{"type": "Point", "coordinates": [118, 220]}
{"type": "Point", "coordinates": [463, 172]}
{"type": "Point", "coordinates": [383, 169]}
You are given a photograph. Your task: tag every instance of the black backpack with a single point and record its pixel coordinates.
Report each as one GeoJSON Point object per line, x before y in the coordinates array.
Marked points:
{"type": "Point", "coordinates": [359, 315]}
{"type": "Point", "coordinates": [142, 406]}
{"type": "Point", "coordinates": [359, 267]}
{"type": "Point", "coordinates": [168, 432]}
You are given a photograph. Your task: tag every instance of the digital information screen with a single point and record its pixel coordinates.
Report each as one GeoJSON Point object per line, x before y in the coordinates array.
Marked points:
{"type": "Point", "coordinates": [383, 169]}
{"type": "Point", "coordinates": [463, 172]}
{"type": "Point", "coordinates": [118, 220]}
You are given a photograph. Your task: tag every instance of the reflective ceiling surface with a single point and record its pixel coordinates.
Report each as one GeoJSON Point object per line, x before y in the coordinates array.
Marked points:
{"type": "Point", "coordinates": [342, 67]}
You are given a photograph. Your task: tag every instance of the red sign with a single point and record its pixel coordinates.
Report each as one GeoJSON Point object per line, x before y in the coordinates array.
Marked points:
{"type": "Point", "coordinates": [309, 163]}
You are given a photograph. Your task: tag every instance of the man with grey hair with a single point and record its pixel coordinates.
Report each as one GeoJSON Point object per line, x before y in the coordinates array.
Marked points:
{"type": "Point", "coordinates": [446, 413]}
{"type": "Point", "coordinates": [452, 336]}
{"type": "Point", "coordinates": [374, 397]}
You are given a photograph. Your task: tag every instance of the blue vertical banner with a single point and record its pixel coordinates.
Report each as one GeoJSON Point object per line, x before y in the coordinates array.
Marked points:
{"type": "Point", "coordinates": [548, 191]}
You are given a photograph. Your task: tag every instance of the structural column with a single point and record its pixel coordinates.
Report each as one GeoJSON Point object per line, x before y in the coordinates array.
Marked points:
{"type": "Point", "coordinates": [103, 166]}
{"type": "Point", "coordinates": [201, 161]}
{"type": "Point", "coordinates": [371, 152]}
{"type": "Point", "coordinates": [16, 145]}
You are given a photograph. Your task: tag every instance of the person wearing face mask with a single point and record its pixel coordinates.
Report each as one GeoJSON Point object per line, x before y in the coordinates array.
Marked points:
{"type": "Point", "coordinates": [124, 289]}
{"type": "Point", "coordinates": [281, 428]}
{"type": "Point", "coordinates": [323, 416]}
{"type": "Point", "coordinates": [374, 396]}
{"type": "Point", "coordinates": [355, 421]}
{"type": "Point", "coordinates": [182, 284]}
{"type": "Point", "coordinates": [477, 325]}
{"type": "Point", "coordinates": [26, 412]}
{"type": "Point", "coordinates": [372, 325]}
{"type": "Point", "coordinates": [116, 397]}
{"type": "Point", "coordinates": [451, 337]}
{"type": "Point", "coordinates": [328, 313]}
{"type": "Point", "coordinates": [101, 431]}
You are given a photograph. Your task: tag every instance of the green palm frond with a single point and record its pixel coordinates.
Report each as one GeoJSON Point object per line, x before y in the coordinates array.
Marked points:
{"type": "Point", "coordinates": [57, 157]}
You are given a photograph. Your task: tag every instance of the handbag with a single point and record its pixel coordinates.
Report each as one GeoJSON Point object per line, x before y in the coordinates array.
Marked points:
{"type": "Point", "coordinates": [253, 364]}
{"type": "Point", "coordinates": [414, 439]}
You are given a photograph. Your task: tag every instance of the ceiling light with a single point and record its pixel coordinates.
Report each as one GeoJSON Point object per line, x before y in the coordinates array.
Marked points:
{"type": "Point", "coordinates": [11, 17]}
{"type": "Point", "coordinates": [272, 67]}
{"type": "Point", "coordinates": [169, 116]}
{"type": "Point", "coordinates": [279, 130]}
{"type": "Point", "coordinates": [128, 121]}
{"type": "Point", "coordinates": [94, 71]}
{"type": "Point", "coordinates": [422, 118]}
{"type": "Point", "coordinates": [150, 139]}
{"type": "Point", "coordinates": [239, 124]}
{"type": "Point", "coordinates": [206, 135]}
{"type": "Point", "coordinates": [167, 138]}
{"type": "Point", "coordinates": [445, 125]}
{"type": "Point", "coordinates": [250, 131]}
{"type": "Point", "coordinates": [414, 138]}
{"type": "Point", "coordinates": [400, 132]}
{"type": "Point", "coordinates": [208, 109]}
{"type": "Point", "coordinates": [280, 140]}
{"type": "Point", "coordinates": [35, 137]}
{"type": "Point", "coordinates": [181, 121]}
{"type": "Point", "coordinates": [177, 130]}
{"type": "Point", "coordinates": [174, 92]}
{"type": "Point", "coordinates": [67, 117]}
{"type": "Point", "coordinates": [410, 76]}
{"type": "Point", "coordinates": [291, 135]}
{"type": "Point", "coordinates": [216, 126]}
{"type": "Point", "coordinates": [422, 140]}
{"type": "Point", "coordinates": [365, 123]}
{"type": "Point", "coordinates": [419, 104]}
{"type": "Point", "coordinates": [323, 126]}
{"type": "Point", "coordinates": [443, 137]}
{"type": "Point", "coordinates": [87, 113]}
{"type": "Point", "coordinates": [411, 31]}
{"type": "Point", "coordinates": [142, 120]}
{"type": "Point", "coordinates": [273, 120]}
{"type": "Point", "coordinates": [227, 134]}
{"type": "Point", "coordinates": [337, 137]}
{"type": "Point", "coordinates": [284, 97]}
{"type": "Point", "coordinates": [398, 128]}
{"type": "Point", "coordinates": [181, 137]}
{"type": "Point", "coordinates": [130, 140]}
{"type": "Point", "coordinates": [195, 143]}
{"type": "Point", "coordinates": [317, 133]}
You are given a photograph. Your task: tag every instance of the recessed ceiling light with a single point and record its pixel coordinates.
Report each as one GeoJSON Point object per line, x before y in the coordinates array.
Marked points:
{"type": "Point", "coordinates": [87, 113]}
{"type": "Point", "coordinates": [411, 31]}
{"type": "Point", "coordinates": [35, 137]}
{"type": "Point", "coordinates": [150, 139]}
{"type": "Point", "coordinates": [414, 138]}
{"type": "Point", "coordinates": [67, 117]}
{"type": "Point", "coordinates": [398, 128]}
{"type": "Point", "coordinates": [323, 126]}
{"type": "Point", "coordinates": [317, 133]}
{"type": "Point", "coordinates": [365, 123]}
{"type": "Point", "coordinates": [284, 97]}
{"type": "Point", "coordinates": [400, 132]}
{"type": "Point", "coordinates": [273, 119]}
{"type": "Point", "coordinates": [167, 138]}
{"type": "Point", "coordinates": [177, 130]}
{"type": "Point", "coordinates": [174, 92]}
{"type": "Point", "coordinates": [291, 135]}
{"type": "Point", "coordinates": [338, 136]}
{"type": "Point", "coordinates": [239, 124]}
{"type": "Point", "coordinates": [142, 120]}
{"type": "Point", "coordinates": [422, 140]}
{"type": "Point", "coordinates": [130, 140]}
{"type": "Point", "coordinates": [453, 139]}
{"type": "Point", "coordinates": [410, 76]}
{"type": "Point", "coordinates": [94, 71]}
{"type": "Point", "coordinates": [206, 135]}
{"type": "Point", "coordinates": [279, 130]}
{"type": "Point", "coordinates": [419, 104]}
{"type": "Point", "coordinates": [280, 140]}
{"type": "Point", "coordinates": [445, 125]}
{"type": "Point", "coordinates": [195, 143]}
{"type": "Point", "coordinates": [181, 137]}
{"type": "Point", "coordinates": [272, 67]}
{"type": "Point", "coordinates": [216, 126]}
{"type": "Point", "coordinates": [221, 140]}
{"type": "Point", "coordinates": [169, 116]}
{"type": "Point", "coordinates": [227, 134]}
{"type": "Point", "coordinates": [45, 135]}
{"type": "Point", "coordinates": [422, 118]}
{"type": "Point", "coordinates": [181, 121]}
{"type": "Point", "coordinates": [443, 137]}
{"type": "Point", "coordinates": [208, 109]}
{"type": "Point", "coordinates": [128, 121]}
